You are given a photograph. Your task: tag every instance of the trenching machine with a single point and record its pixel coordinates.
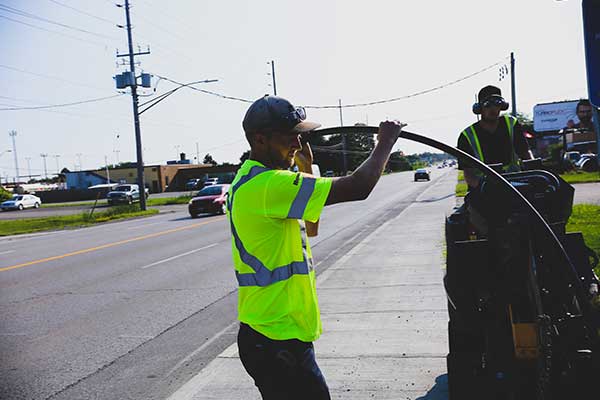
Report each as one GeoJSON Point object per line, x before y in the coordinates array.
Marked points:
{"type": "Point", "coordinates": [523, 302]}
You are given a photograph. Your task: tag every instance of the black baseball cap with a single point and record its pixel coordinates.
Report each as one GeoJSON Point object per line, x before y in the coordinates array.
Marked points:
{"type": "Point", "coordinates": [487, 92]}
{"type": "Point", "coordinates": [271, 114]}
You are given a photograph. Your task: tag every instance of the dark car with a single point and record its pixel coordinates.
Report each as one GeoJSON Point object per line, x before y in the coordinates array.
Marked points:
{"type": "Point", "coordinates": [209, 200]}
{"type": "Point", "coordinates": [422, 174]}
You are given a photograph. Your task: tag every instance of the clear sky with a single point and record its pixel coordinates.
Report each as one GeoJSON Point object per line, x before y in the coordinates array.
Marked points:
{"type": "Point", "coordinates": [356, 51]}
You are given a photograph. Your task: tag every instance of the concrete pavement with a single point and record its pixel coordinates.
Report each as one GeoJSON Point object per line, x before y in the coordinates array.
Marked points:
{"type": "Point", "coordinates": [384, 315]}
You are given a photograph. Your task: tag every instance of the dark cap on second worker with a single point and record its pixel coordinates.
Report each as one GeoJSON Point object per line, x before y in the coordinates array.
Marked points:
{"type": "Point", "coordinates": [487, 92]}
{"type": "Point", "coordinates": [271, 114]}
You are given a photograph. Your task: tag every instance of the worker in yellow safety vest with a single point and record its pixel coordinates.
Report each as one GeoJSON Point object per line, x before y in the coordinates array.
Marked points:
{"type": "Point", "coordinates": [277, 301]}
{"type": "Point", "coordinates": [495, 139]}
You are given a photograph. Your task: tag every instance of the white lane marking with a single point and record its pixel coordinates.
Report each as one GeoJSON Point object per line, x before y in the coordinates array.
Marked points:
{"type": "Point", "coordinates": [6, 252]}
{"type": "Point", "coordinates": [179, 255]}
{"type": "Point", "coordinates": [199, 349]}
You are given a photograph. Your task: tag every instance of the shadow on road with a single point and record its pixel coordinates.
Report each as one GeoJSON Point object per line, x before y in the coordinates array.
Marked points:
{"type": "Point", "coordinates": [187, 217]}
{"type": "Point", "coordinates": [439, 391]}
{"type": "Point", "coordinates": [434, 200]}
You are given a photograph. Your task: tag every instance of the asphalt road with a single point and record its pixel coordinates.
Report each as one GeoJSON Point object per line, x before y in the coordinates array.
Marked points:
{"type": "Point", "coordinates": [132, 309]}
{"type": "Point", "coordinates": [588, 193]}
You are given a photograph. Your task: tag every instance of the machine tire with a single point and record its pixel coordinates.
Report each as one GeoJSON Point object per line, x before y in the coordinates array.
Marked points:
{"type": "Point", "coordinates": [20, 207]}
{"type": "Point", "coordinates": [36, 205]}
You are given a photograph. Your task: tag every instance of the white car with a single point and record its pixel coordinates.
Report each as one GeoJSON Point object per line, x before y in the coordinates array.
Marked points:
{"type": "Point", "coordinates": [21, 201]}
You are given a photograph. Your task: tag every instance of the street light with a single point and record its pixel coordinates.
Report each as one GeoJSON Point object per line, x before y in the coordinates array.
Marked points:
{"type": "Point", "coordinates": [44, 156]}
{"type": "Point", "coordinates": [13, 134]}
{"type": "Point", "coordinates": [56, 157]}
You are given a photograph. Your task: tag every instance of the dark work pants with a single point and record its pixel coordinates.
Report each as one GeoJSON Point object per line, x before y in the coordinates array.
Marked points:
{"type": "Point", "coordinates": [281, 369]}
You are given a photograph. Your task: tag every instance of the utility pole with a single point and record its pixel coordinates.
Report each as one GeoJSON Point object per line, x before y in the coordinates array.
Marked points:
{"type": "Point", "coordinates": [134, 98]}
{"type": "Point", "coordinates": [513, 84]}
{"type": "Point", "coordinates": [28, 166]}
{"type": "Point", "coordinates": [273, 76]}
{"type": "Point", "coordinates": [107, 173]}
{"type": "Point", "coordinates": [79, 159]}
{"type": "Point", "coordinates": [344, 160]}
{"type": "Point", "coordinates": [44, 155]}
{"type": "Point", "coordinates": [56, 157]}
{"type": "Point", "coordinates": [13, 134]}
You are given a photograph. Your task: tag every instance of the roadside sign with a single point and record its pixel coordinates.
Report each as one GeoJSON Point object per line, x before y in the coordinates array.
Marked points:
{"type": "Point", "coordinates": [591, 34]}
{"type": "Point", "coordinates": [554, 116]}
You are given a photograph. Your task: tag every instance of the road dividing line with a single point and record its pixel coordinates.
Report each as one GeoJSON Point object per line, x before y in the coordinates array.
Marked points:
{"type": "Point", "coordinates": [105, 246]}
{"type": "Point", "coordinates": [179, 255]}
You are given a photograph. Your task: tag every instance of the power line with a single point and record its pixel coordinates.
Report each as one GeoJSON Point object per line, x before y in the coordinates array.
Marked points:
{"type": "Point", "coordinates": [51, 31]}
{"type": "Point", "coordinates": [60, 105]}
{"type": "Point", "coordinates": [82, 12]}
{"type": "Point", "coordinates": [56, 78]}
{"type": "Point", "coordinates": [337, 106]}
{"type": "Point", "coordinates": [49, 21]}
{"type": "Point", "coordinates": [422, 92]}
{"type": "Point", "coordinates": [206, 91]}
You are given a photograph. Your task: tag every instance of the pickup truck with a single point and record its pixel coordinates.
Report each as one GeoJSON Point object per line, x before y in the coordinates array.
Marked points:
{"type": "Point", "coordinates": [125, 194]}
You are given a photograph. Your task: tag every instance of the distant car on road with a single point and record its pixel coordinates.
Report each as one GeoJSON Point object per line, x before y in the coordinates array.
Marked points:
{"type": "Point", "coordinates": [422, 174]}
{"type": "Point", "coordinates": [193, 184]}
{"type": "Point", "coordinates": [125, 194]}
{"type": "Point", "coordinates": [211, 199]}
{"type": "Point", "coordinates": [21, 201]}
{"type": "Point", "coordinates": [211, 182]}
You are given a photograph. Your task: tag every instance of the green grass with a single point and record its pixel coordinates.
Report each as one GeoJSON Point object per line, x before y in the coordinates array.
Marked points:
{"type": "Point", "coordinates": [581, 177]}
{"type": "Point", "coordinates": [29, 225]}
{"type": "Point", "coordinates": [168, 200]}
{"type": "Point", "coordinates": [461, 189]}
{"type": "Point", "coordinates": [74, 204]}
{"type": "Point", "coordinates": [461, 186]}
{"type": "Point", "coordinates": [586, 219]}
{"type": "Point", "coordinates": [149, 202]}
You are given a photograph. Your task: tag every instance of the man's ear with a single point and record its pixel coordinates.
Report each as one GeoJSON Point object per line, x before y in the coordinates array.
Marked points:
{"type": "Point", "coordinates": [260, 139]}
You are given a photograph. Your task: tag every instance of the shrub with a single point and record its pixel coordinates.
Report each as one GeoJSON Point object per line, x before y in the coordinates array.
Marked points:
{"type": "Point", "coordinates": [4, 194]}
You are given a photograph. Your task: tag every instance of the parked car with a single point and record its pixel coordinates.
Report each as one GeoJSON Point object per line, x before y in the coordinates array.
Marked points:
{"type": "Point", "coordinates": [125, 194]}
{"type": "Point", "coordinates": [588, 162]}
{"type": "Point", "coordinates": [21, 201]}
{"type": "Point", "coordinates": [422, 174]}
{"type": "Point", "coordinates": [193, 184]}
{"type": "Point", "coordinates": [211, 182]}
{"type": "Point", "coordinates": [211, 199]}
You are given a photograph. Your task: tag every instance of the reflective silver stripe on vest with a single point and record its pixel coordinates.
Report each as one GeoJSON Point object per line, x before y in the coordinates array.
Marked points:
{"type": "Point", "coordinates": [262, 276]}
{"type": "Point", "coordinates": [301, 201]}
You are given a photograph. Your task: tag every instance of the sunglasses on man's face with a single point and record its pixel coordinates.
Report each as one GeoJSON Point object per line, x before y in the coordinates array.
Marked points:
{"type": "Point", "coordinates": [493, 102]}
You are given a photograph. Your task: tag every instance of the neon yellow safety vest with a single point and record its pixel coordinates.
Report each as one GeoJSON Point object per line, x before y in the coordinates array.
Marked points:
{"type": "Point", "coordinates": [273, 262]}
{"type": "Point", "coordinates": [471, 135]}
